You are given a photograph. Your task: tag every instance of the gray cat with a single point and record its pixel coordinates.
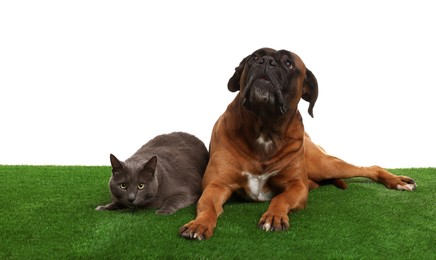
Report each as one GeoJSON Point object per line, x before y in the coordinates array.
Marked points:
{"type": "Point", "coordinates": [164, 174]}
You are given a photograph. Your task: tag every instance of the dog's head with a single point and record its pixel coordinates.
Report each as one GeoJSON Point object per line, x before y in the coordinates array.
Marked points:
{"type": "Point", "coordinates": [272, 82]}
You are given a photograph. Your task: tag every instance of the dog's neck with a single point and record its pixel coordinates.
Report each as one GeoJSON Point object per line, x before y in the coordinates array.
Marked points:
{"type": "Point", "coordinates": [267, 134]}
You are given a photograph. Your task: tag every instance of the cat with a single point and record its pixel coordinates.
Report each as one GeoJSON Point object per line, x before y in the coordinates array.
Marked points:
{"type": "Point", "coordinates": [164, 174]}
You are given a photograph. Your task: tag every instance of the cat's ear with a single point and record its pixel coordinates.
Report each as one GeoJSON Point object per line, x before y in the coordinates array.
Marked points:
{"type": "Point", "coordinates": [117, 166]}
{"type": "Point", "coordinates": [150, 166]}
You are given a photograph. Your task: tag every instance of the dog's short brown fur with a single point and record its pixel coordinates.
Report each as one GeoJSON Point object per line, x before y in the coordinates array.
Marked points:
{"type": "Point", "coordinates": [259, 148]}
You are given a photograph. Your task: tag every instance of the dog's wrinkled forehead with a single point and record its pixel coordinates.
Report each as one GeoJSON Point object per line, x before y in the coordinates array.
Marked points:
{"type": "Point", "coordinates": [271, 52]}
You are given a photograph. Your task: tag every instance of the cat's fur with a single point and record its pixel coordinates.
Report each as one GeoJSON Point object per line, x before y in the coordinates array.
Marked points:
{"type": "Point", "coordinates": [164, 174]}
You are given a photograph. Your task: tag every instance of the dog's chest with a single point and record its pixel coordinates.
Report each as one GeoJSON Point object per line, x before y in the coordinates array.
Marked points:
{"type": "Point", "coordinates": [264, 143]}
{"type": "Point", "coordinates": [257, 188]}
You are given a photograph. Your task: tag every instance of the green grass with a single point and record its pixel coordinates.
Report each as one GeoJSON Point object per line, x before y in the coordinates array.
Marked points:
{"type": "Point", "coordinates": [47, 212]}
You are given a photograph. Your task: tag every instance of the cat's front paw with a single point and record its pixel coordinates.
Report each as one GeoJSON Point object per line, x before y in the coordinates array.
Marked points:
{"type": "Point", "coordinates": [110, 206]}
{"type": "Point", "coordinates": [165, 211]}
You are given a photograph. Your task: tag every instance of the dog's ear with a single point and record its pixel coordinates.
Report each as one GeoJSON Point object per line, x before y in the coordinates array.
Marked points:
{"type": "Point", "coordinates": [310, 90]}
{"type": "Point", "coordinates": [233, 84]}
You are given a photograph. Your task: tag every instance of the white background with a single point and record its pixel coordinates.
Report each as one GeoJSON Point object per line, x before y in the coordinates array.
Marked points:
{"type": "Point", "coordinates": [82, 79]}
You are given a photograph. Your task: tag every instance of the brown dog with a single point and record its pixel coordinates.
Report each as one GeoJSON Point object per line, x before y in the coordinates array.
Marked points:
{"type": "Point", "coordinates": [259, 148]}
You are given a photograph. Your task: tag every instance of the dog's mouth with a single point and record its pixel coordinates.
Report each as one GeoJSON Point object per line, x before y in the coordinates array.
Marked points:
{"type": "Point", "coordinates": [262, 92]}
{"type": "Point", "coordinates": [264, 78]}
{"type": "Point", "coordinates": [262, 95]}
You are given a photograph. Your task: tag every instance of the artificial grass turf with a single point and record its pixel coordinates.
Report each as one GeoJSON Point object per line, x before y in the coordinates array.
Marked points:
{"type": "Point", "coordinates": [47, 212]}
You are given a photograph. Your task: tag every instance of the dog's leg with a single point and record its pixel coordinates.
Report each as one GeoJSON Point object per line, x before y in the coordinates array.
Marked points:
{"type": "Point", "coordinates": [338, 183]}
{"type": "Point", "coordinates": [321, 166]}
{"type": "Point", "coordinates": [341, 169]}
{"type": "Point", "coordinates": [209, 207]}
{"type": "Point", "coordinates": [292, 199]}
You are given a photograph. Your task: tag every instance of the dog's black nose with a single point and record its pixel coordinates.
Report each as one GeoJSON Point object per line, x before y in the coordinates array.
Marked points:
{"type": "Point", "coordinates": [268, 60]}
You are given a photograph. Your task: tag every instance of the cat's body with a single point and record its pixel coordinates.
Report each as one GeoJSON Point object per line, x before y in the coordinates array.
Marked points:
{"type": "Point", "coordinates": [164, 174]}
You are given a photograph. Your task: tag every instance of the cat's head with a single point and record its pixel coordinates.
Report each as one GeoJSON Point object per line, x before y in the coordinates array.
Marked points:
{"type": "Point", "coordinates": [133, 185]}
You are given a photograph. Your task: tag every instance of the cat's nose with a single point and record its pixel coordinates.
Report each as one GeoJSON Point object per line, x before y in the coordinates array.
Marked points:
{"type": "Point", "coordinates": [131, 197]}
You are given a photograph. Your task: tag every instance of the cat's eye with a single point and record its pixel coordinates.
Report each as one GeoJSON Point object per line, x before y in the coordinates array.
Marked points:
{"type": "Point", "coordinates": [141, 186]}
{"type": "Point", "coordinates": [123, 186]}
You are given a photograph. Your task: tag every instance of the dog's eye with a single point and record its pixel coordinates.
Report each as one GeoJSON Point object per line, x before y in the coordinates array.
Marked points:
{"type": "Point", "coordinates": [288, 64]}
{"type": "Point", "coordinates": [254, 58]}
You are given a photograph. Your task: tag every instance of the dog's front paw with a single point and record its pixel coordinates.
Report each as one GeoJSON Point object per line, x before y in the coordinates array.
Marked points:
{"type": "Point", "coordinates": [405, 183]}
{"type": "Point", "coordinates": [196, 230]}
{"type": "Point", "coordinates": [399, 183]}
{"type": "Point", "coordinates": [274, 222]}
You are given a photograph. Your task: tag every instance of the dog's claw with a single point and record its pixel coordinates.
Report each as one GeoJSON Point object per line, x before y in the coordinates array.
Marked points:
{"type": "Point", "coordinates": [408, 186]}
{"type": "Point", "coordinates": [274, 223]}
{"type": "Point", "coordinates": [194, 232]}
{"type": "Point", "coordinates": [405, 183]}
{"type": "Point", "coordinates": [266, 227]}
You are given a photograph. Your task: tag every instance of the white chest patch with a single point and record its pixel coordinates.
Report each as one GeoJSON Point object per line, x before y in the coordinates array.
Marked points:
{"type": "Point", "coordinates": [256, 189]}
{"type": "Point", "coordinates": [265, 142]}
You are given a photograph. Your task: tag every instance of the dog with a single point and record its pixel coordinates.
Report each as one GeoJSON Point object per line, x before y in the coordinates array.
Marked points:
{"type": "Point", "coordinates": [259, 148]}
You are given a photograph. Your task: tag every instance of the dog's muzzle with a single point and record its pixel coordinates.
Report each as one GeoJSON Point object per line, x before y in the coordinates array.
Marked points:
{"type": "Point", "coordinates": [262, 94]}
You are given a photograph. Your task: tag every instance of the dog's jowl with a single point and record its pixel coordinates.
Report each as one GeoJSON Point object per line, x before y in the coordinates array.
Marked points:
{"type": "Point", "coordinates": [260, 150]}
